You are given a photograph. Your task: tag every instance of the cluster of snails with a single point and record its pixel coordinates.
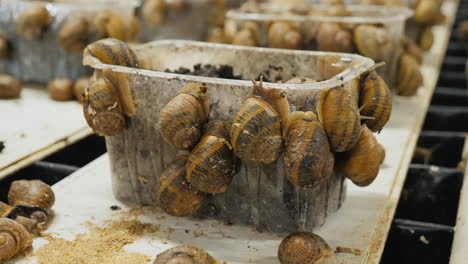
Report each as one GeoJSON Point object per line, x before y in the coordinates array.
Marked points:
{"type": "Point", "coordinates": [205, 161]}
{"type": "Point", "coordinates": [64, 89]}
{"type": "Point", "coordinates": [10, 87]}
{"type": "Point", "coordinates": [28, 211]}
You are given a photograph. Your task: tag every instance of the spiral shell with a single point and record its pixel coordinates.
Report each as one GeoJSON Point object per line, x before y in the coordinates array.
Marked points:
{"type": "Point", "coordinates": [10, 87]}
{"type": "Point", "coordinates": [116, 28]}
{"type": "Point", "coordinates": [256, 128]}
{"type": "Point", "coordinates": [305, 248]}
{"type": "Point", "coordinates": [31, 23]}
{"type": "Point", "coordinates": [186, 255]}
{"type": "Point", "coordinates": [426, 38]}
{"type": "Point", "coordinates": [372, 41]}
{"type": "Point", "coordinates": [183, 117]}
{"type": "Point", "coordinates": [307, 161]}
{"type": "Point", "coordinates": [73, 36]}
{"type": "Point", "coordinates": [14, 238]}
{"type": "Point", "coordinates": [329, 66]}
{"type": "Point", "coordinates": [210, 166]}
{"type": "Point", "coordinates": [33, 193]}
{"type": "Point", "coordinates": [375, 101]}
{"type": "Point", "coordinates": [332, 37]}
{"type": "Point", "coordinates": [361, 163]}
{"type": "Point", "coordinates": [426, 11]}
{"type": "Point", "coordinates": [284, 35]}
{"type": "Point", "coordinates": [175, 195]}
{"type": "Point", "coordinates": [244, 37]}
{"type": "Point", "coordinates": [60, 89]}
{"type": "Point", "coordinates": [409, 77]}
{"type": "Point", "coordinates": [110, 51]}
{"type": "Point", "coordinates": [340, 118]}
{"type": "Point", "coordinates": [412, 49]}
{"type": "Point", "coordinates": [154, 11]}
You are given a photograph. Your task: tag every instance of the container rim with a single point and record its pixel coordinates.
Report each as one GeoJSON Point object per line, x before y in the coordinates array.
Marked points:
{"type": "Point", "coordinates": [81, 5]}
{"type": "Point", "coordinates": [339, 80]}
{"type": "Point", "coordinates": [392, 14]}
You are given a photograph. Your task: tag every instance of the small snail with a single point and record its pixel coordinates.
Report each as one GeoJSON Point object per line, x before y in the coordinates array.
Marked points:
{"type": "Point", "coordinates": [175, 195]}
{"type": "Point", "coordinates": [10, 87]}
{"type": "Point", "coordinates": [154, 11]}
{"type": "Point", "coordinates": [409, 77]}
{"type": "Point", "coordinates": [372, 41]}
{"type": "Point", "coordinates": [361, 163]}
{"type": "Point", "coordinates": [249, 35]}
{"type": "Point", "coordinates": [100, 22]}
{"type": "Point", "coordinates": [332, 37]}
{"type": "Point", "coordinates": [376, 101]}
{"type": "Point", "coordinates": [79, 87]}
{"type": "Point", "coordinates": [186, 255]}
{"type": "Point", "coordinates": [135, 27]}
{"type": "Point", "coordinates": [183, 116]}
{"type": "Point", "coordinates": [210, 166]}
{"type": "Point", "coordinates": [60, 89]}
{"type": "Point", "coordinates": [217, 35]}
{"type": "Point", "coordinates": [73, 36]}
{"type": "Point", "coordinates": [115, 28]}
{"type": "Point", "coordinates": [340, 118]}
{"type": "Point", "coordinates": [256, 128]}
{"type": "Point", "coordinates": [284, 35]}
{"type": "Point", "coordinates": [110, 51]}
{"type": "Point", "coordinates": [426, 11]}
{"type": "Point", "coordinates": [14, 238]}
{"type": "Point", "coordinates": [329, 66]}
{"type": "Point", "coordinates": [31, 23]}
{"type": "Point", "coordinates": [305, 248]}
{"type": "Point", "coordinates": [412, 49]}
{"type": "Point", "coordinates": [426, 38]}
{"type": "Point", "coordinates": [34, 193]}
{"type": "Point", "coordinates": [307, 161]}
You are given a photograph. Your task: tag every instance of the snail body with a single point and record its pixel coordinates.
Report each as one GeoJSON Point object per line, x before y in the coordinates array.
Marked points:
{"type": "Point", "coordinates": [256, 128]}
{"type": "Point", "coordinates": [31, 23]}
{"type": "Point", "coordinates": [372, 41]}
{"type": "Point", "coordinates": [175, 195]}
{"type": "Point", "coordinates": [284, 35]}
{"type": "Point", "coordinates": [34, 193]}
{"type": "Point", "coordinates": [186, 255]}
{"type": "Point", "coordinates": [305, 248]}
{"type": "Point", "coordinates": [10, 87]}
{"type": "Point", "coordinates": [376, 101]}
{"type": "Point", "coordinates": [332, 37]}
{"type": "Point", "coordinates": [14, 238]}
{"type": "Point", "coordinates": [409, 76]}
{"type": "Point", "coordinates": [73, 36]}
{"type": "Point", "coordinates": [183, 117]}
{"type": "Point", "coordinates": [361, 163]}
{"type": "Point", "coordinates": [307, 161]}
{"type": "Point", "coordinates": [210, 166]}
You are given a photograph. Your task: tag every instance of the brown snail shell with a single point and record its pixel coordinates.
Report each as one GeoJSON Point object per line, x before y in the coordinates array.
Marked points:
{"type": "Point", "coordinates": [100, 22]}
{"type": "Point", "coordinates": [412, 49]}
{"type": "Point", "coordinates": [4, 47]}
{"type": "Point", "coordinates": [372, 41]}
{"type": "Point", "coordinates": [409, 76]}
{"type": "Point", "coordinates": [426, 38]}
{"type": "Point", "coordinates": [60, 89]}
{"type": "Point", "coordinates": [116, 28]}
{"type": "Point", "coordinates": [135, 28]}
{"type": "Point", "coordinates": [175, 195]}
{"type": "Point", "coordinates": [186, 255]}
{"type": "Point", "coordinates": [256, 128]}
{"type": "Point", "coordinates": [332, 37]}
{"type": "Point", "coordinates": [183, 117]}
{"type": "Point", "coordinates": [217, 35]}
{"type": "Point", "coordinates": [5, 210]}
{"type": "Point", "coordinates": [340, 118]}
{"type": "Point", "coordinates": [10, 87]}
{"type": "Point", "coordinates": [284, 35]}
{"type": "Point", "coordinates": [305, 248]}
{"type": "Point", "coordinates": [244, 37]}
{"type": "Point", "coordinates": [210, 166]}
{"type": "Point", "coordinates": [375, 101]}
{"type": "Point", "coordinates": [329, 66]}
{"type": "Point", "coordinates": [73, 36]}
{"type": "Point", "coordinates": [154, 12]}
{"type": "Point", "coordinates": [361, 163]}
{"type": "Point", "coordinates": [79, 88]}
{"type": "Point", "coordinates": [32, 22]}
{"type": "Point", "coordinates": [307, 161]}
{"type": "Point", "coordinates": [111, 51]}
{"type": "Point", "coordinates": [34, 193]}
{"type": "Point", "coordinates": [426, 11]}
{"type": "Point", "coordinates": [14, 238]}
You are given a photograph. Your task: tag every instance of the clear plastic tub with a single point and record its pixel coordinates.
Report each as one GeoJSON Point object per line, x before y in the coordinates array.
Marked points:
{"type": "Point", "coordinates": [261, 197]}
{"type": "Point", "coordinates": [390, 21]}
{"type": "Point", "coordinates": [43, 59]}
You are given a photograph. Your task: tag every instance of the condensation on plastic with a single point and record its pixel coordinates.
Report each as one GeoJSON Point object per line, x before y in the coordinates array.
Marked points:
{"type": "Point", "coordinates": [44, 59]}
{"type": "Point", "coordinates": [260, 197]}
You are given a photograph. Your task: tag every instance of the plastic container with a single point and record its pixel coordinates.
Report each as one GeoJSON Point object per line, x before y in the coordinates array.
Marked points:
{"type": "Point", "coordinates": [260, 197]}
{"type": "Point", "coordinates": [391, 20]}
{"type": "Point", "coordinates": [44, 59]}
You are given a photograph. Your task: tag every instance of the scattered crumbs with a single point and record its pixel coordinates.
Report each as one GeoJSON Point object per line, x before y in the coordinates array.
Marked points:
{"type": "Point", "coordinates": [248, 246]}
{"type": "Point", "coordinates": [142, 179]}
{"type": "Point", "coordinates": [424, 240]}
{"type": "Point", "coordinates": [2, 146]}
{"type": "Point", "coordinates": [346, 250]}
{"type": "Point", "coordinates": [186, 231]}
{"type": "Point", "coordinates": [164, 242]}
{"type": "Point", "coordinates": [115, 208]}
{"type": "Point", "coordinates": [198, 233]}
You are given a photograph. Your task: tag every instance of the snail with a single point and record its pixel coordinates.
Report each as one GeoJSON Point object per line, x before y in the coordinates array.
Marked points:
{"type": "Point", "coordinates": [210, 166]}
{"type": "Point", "coordinates": [409, 77]}
{"type": "Point", "coordinates": [33, 193]}
{"type": "Point", "coordinates": [305, 248]}
{"type": "Point", "coordinates": [426, 11]}
{"type": "Point", "coordinates": [186, 255]}
{"type": "Point", "coordinates": [79, 87]}
{"type": "Point", "coordinates": [175, 195]}
{"type": "Point", "coordinates": [135, 27]}
{"type": "Point", "coordinates": [340, 118]}
{"type": "Point", "coordinates": [4, 46]}
{"type": "Point", "coordinates": [10, 87]}
{"type": "Point", "coordinates": [109, 25]}
{"type": "Point", "coordinates": [332, 37]}
{"type": "Point", "coordinates": [73, 36]}
{"type": "Point", "coordinates": [376, 101]}
{"type": "Point", "coordinates": [412, 49]}
{"type": "Point", "coordinates": [361, 163]}
{"type": "Point", "coordinates": [31, 23]}
{"type": "Point", "coordinates": [249, 35]}
{"type": "Point", "coordinates": [100, 22]}
{"type": "Point", "coordinates": [218, 13]}
{"type": "Point", "coordinates": [217, 35]}
{"type": "Point", "coordinates": [6, 210]}
{"type": "Point", "coordinates": [154, 11]}
{"type": "Point", "coordinates": [284, 35]}
{"type": "Point", "coordinates": [329, 66]}
{"type": "Point", "coordinates": [60, 89]}
{"type": "Point", "coordinates": [14, 238]}
{"type": "Point", "coordinates": [183, 116]}
{"type": "Point", "coordinates": [426, 38]}
{"type": "Point", "coordinates": [256, 128]}
{"type": "Point", "coordinates": [32, 218]}
{"type": "Point", "coordinates": [372, 41]}
{"type": "Point", "coordinates": [110, 51]}
{"type": "Point", "coordinates": [307, 161]}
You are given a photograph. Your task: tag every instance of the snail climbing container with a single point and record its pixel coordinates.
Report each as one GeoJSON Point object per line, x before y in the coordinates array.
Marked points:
{"type": "Point", "coordinates": [371, 31]}
{"type": "Point", "coordinates": [36, 53]}
{"type": "Point", "coordinates": [258, 196]}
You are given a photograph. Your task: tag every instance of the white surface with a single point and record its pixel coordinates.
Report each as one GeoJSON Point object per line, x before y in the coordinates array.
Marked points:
{"type": "Point", "coordinates": [34, 126]}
